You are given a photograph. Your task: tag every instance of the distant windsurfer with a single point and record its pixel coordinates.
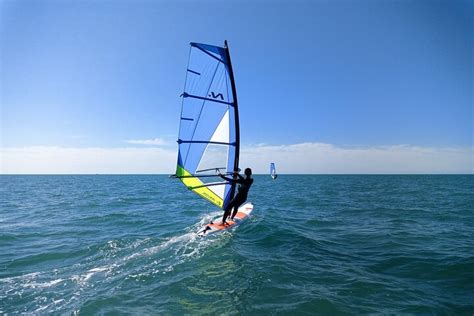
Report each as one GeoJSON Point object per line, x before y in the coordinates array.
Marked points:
{"type": "Point", "coordinates": [244, 185]}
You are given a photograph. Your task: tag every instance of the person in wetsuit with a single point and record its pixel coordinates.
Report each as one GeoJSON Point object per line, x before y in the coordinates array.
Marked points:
{"type": "Point", "coordinates": [241, 196]}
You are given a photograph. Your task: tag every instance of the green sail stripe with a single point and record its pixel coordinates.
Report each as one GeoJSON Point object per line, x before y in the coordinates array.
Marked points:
{"type": "Point", "coordinates": [193, 182]}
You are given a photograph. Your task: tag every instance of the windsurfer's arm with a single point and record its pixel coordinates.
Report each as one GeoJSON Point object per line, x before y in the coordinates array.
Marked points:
{"type": "Point", "coordinates": [239, 180]}
{"type": "Point", "coordinates": [225, 178]}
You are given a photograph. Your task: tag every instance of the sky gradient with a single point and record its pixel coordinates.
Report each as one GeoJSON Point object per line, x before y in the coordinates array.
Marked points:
{"type": "Point", "coordinates": [356, 76]}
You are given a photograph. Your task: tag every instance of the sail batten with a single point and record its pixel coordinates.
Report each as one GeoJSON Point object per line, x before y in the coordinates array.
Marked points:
{"type": "Point", "coordinates": [209, 132]}
{"type": "Point", "coordinates": [180, 141]}
{"type": "Point", "coordinates": [186, 95]}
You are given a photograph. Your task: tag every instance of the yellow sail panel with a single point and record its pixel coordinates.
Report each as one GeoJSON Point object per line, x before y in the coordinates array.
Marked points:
{"type": "Point", "coordinates": [197, 186]}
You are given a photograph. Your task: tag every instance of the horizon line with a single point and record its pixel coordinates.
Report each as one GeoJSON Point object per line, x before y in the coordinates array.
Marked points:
{"type": "Point", "coordinates": [256, 174]}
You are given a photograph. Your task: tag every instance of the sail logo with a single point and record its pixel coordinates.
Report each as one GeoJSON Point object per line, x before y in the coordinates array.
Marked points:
{"type": "Point", "coordinates": [215, 96]}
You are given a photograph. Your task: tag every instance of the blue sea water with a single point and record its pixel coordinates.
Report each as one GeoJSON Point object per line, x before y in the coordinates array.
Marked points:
{"type": "Point", "coordinates": [316, 244]}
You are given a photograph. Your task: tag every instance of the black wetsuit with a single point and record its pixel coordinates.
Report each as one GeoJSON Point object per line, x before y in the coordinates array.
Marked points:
{"type": "Point", "coordinates": [244, 185]}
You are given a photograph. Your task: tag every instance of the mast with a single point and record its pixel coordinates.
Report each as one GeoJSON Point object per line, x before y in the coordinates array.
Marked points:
{"type": "Point", "coordinates": [236, 115]}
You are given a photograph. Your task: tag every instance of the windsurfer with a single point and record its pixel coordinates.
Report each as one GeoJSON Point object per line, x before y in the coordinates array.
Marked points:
{"type": "Point", "coordinates": [241, 196]}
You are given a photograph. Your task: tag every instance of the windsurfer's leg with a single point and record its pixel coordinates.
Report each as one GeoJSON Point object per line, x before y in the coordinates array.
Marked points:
{"type": "Point", "coordinates": [236, 209]}
{"type": "Point", "coordinates": [224, 217]}
{"type": "Point", "coordinates": [227, 211]}
{"type": "Point", "coordinates": [238, 202]}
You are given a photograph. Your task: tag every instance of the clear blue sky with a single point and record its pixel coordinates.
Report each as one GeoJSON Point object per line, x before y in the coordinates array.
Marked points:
{"type": "Point", "coordinates": [352, 73]}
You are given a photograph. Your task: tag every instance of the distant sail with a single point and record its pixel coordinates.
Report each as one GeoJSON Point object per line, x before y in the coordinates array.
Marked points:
{"type": "Point", "coordinates": [273, 173]}
{"type": "Point", "coordinates": [209, 128]}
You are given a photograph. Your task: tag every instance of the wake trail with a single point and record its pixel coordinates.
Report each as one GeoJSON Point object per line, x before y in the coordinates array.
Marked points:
{"type": "Point", "coordinates": [137, 260]}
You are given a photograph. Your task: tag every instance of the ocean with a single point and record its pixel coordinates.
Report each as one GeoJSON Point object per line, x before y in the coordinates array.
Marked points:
{"type": "Point", "coordinates": [315, 244]}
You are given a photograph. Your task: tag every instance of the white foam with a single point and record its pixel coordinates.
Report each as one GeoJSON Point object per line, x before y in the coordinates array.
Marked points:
{"type": "Point", "coordinates": [28, 276]}
{"type": "Point", "coordinates": [82, 279]}
{"type": "Point", "coordinates": [35, 285]}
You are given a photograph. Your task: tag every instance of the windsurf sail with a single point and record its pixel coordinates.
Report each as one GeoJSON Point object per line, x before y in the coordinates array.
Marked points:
{"type": "Point", "coordinates": [273, 173]}
{"type": "Point", "coordinates": [209, 139]}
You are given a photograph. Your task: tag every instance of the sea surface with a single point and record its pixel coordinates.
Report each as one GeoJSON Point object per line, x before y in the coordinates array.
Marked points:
{"type": "Point", "coordinates": [316, 244]}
